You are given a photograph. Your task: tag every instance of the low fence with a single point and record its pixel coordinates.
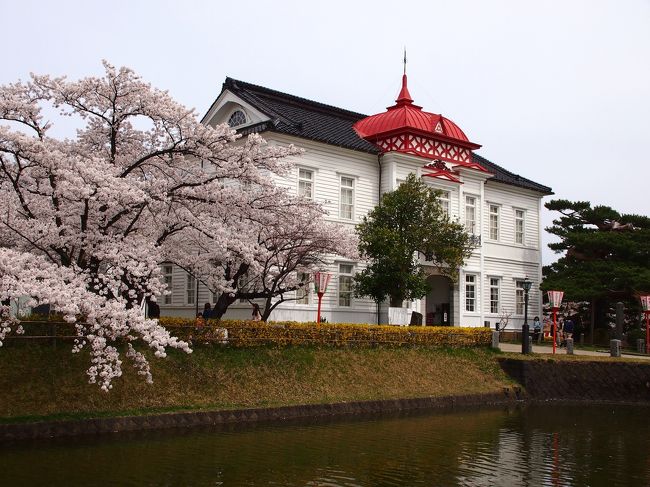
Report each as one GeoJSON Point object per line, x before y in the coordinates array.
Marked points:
{"type": "Point", "coordinates": [43, 331]}
{"type": "Point", "coordinates": [255, 333]}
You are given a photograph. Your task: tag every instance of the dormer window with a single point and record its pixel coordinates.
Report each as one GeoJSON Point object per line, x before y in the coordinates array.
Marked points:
{"type": "Point", "coordinates": [237, 118]}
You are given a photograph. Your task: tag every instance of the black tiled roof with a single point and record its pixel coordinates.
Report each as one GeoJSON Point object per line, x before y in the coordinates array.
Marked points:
{"type": "Point", "coordinates": [502, 175]}
{"type": "Point", "coordinates": [312, 120]}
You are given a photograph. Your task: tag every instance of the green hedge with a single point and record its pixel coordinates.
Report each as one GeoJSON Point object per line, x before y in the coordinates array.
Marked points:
{"type": "Point", "coordinates": [251, 333]}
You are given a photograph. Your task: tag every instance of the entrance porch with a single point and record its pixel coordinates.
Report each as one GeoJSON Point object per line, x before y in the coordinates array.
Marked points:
{"type": "Point", "coordinates": [438, 304]}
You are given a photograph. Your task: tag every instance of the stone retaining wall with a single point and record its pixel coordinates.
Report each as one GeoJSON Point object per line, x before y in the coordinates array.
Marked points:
{"type": "Point", "coordinates": [581, 380]}
{"type": "Point", "coordinates": [188, 419]}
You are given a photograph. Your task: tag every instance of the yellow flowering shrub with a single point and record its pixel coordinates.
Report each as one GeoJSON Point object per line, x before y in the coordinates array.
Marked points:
{"type": "Point", "coordinates": [251, 333]}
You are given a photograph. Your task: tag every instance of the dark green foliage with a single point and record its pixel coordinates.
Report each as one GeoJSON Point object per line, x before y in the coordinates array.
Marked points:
{"type": "Point", "coordinates": [408, 220]}
{"type": "Point", "coordinates": [607, 254]}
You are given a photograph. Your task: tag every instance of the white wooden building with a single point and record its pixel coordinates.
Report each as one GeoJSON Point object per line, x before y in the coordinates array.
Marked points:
{"type": "Point", "coordinates": [349, 161]}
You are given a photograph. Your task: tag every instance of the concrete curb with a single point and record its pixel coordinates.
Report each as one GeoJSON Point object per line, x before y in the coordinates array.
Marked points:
{"type": "Point", "coordinates": [53, 429]}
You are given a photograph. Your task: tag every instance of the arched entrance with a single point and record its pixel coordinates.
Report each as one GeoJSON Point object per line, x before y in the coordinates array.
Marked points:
{"type": "Point", "coordinates": [439, 301]}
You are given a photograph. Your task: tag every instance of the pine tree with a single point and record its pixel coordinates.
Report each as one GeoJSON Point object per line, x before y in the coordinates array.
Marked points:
{"type": "Point", "coordinates": [606, 255]}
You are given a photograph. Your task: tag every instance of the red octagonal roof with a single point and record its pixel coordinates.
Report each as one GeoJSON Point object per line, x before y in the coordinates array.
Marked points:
{"type": "Point", "coordinates": [404, 116]}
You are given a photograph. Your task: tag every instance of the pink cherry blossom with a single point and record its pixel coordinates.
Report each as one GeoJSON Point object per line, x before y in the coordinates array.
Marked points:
{"type": "Point", "coordinates": [86, 222]}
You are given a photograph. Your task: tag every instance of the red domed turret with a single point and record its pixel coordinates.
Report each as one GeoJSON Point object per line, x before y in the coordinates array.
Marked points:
{"type": "Point", "coordinates": [404, 127]}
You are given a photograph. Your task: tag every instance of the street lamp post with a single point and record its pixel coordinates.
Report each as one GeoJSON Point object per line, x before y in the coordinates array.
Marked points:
{"type": "Point", "coordinates": [321, 280]}
{"type": "Point", "coordinates": [525, 331]}
{"type": "Point", "coordinates": [555, 298]}
{"type": "Point", "coordinates": [645, 304]}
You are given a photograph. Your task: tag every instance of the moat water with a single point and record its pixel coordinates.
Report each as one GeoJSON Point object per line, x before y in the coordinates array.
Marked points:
{"type": "Point", "coordinates": [535, 445]}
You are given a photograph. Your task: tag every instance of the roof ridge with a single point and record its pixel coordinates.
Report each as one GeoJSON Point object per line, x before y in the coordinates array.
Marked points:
{"type": "Point", "coordinates": [270, 111]}
{"type": "Point", "coordinates": [515, 176]}
{"type": "Point", "coordinates": [232, 83]}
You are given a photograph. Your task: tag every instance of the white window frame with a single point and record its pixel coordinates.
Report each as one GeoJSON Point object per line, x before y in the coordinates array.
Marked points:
{"type": "Point", "coordinates": [232, 114]}
{"type": "Point", "coordinates": [190, 287]}
{"type": "Point", "coordinates": [470, 224]}
{"type": "Point", "coordinates": [346, 188]}
{"type": "Point", "coordinates": [494, 221]}
{"type": "Point", "coordinates": [520, 236]}
{"type": "Point", "coordinates": [495, 285]}
{"type": "Point", "coordinates": [303, 294]}
{"type": "Point", "coordinates": [519, 297]}
{"type": "Point", "coordinates": [306, 180]}
{"type": "Point", "coordinates": [168, 276]}
{"type": "Point", "coordinates": [445, 200]}
{"type": "Point", "coordinates": [471, 293]}
{"type": "Point", "coordinates": [347, 275]}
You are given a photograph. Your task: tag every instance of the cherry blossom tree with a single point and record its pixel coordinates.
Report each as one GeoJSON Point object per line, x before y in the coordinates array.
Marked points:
{"type": "Point", "coordinates": [302, 245]}
{"type": "Point", "coordinates": [291, 236]}
{"type": "Point", "coordinates": [85, 222]}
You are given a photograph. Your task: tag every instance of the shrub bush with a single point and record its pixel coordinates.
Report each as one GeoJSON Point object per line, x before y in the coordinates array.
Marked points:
{"type": "Point", "coordinates": [251, 333]}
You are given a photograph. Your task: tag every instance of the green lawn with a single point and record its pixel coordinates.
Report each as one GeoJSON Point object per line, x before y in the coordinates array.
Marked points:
{"type": "Point", "coordinates": [39, 381]}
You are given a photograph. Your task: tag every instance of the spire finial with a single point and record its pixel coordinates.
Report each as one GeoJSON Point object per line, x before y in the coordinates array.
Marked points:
{"type": "Point", "coordinates": [404, 97]}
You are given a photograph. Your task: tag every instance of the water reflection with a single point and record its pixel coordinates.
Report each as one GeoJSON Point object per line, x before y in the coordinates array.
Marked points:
{"type": "Point", "coordinates": [554, 445]}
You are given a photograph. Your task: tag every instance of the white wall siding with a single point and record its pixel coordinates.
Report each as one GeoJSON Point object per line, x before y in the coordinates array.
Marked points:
{"type": "Point", "coordinates": [329, 164]}
{"type": "Point", "coordinates": [508, 201]}
{"type": "Point", "coordinates": [508, 273]}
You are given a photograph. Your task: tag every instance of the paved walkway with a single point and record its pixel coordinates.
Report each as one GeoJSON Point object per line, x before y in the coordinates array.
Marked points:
{"type": "Point", "coordinates": [516, 347]}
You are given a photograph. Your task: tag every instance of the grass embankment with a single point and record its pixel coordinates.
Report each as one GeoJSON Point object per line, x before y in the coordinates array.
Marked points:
{"type": "Point", "coordinates": [40, 382]}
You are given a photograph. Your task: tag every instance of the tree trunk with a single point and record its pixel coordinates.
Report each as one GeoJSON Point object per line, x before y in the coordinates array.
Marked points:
{"type": "Point", "coordinates": [222, 304]}
{"type": "Point", "coordinates": [268, 307]}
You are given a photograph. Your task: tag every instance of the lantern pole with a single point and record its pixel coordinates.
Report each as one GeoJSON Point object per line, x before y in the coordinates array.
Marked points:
{"type": "Point", "coordinates": [555, 299]}
{"type": "Point", "coordinates": [525, 331]}
{"type": "Point", "coordinates": [647, 331]}
{"type": "Point", "coordinates": [645, 304]}
{"type": "Point", "coordinates": [554, 328]}
{"type": "Point", "coordinates": [320, 299]}
{"type": "Point", "coordinates": [321, 280]}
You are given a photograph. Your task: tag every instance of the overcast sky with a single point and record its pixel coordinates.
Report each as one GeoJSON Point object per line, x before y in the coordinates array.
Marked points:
{"type": "Point", "coordinates": [557, 91]}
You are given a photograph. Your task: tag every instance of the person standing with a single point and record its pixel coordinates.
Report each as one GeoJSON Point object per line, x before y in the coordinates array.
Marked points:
{"type": "Point", "coordinates": [537, 328]}
{"type": "Point", "coordinates": [257, 316]}
{"type": "Point", "coordinates": [568, 329]}
{"type": "Point", "coordinates": [207, 311]}
{"type": "Point", "coordinates": [547, 327]}
{"type": "Point", "coordinates": [154, 310]}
